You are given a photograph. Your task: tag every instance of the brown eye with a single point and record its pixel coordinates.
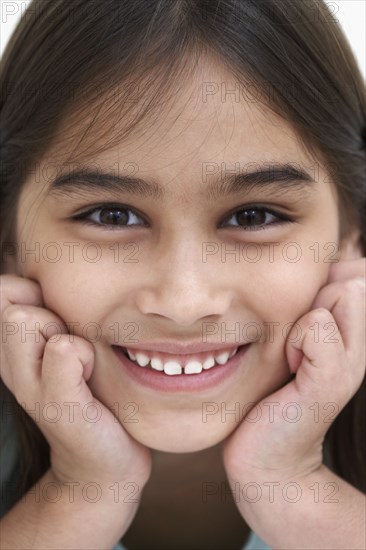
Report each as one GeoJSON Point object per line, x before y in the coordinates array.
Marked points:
{"type": "Point", "coordinates": [111, 217]}
{"type": "Point", "coordinates": [114, 216]}
{"type": "Point", "coordinates": [251, 217]}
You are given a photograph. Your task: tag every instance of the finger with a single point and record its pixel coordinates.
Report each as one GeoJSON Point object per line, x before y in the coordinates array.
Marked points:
{"type": "Point", "coordinates": [18, 290]}
{"type": "Point", "coordinates": [347, 303]}
{"type": "Point", "coordinates": [14, 289]}
{"type": "Point", "coordinates": [67, 364]}
{"type": "Point", "coordinates": [24, 344]}
{"type": "Point", "coordinates": [347, 269]}
{"type": "Point", "coordinates": [315, 357]}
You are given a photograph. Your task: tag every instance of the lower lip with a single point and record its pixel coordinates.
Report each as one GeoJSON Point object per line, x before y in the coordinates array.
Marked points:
{"type": "Point", "coordinates": [206, 379]}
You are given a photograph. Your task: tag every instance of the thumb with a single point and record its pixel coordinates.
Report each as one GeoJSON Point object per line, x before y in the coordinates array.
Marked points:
{"type": "Point", "coordinates": [313, 353]}
{"type": "Point", "coordinates": [67, 365]}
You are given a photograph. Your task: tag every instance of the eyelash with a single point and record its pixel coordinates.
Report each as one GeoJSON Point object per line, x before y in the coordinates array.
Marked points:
{"type": "Point", "coordinates": [83, 217]}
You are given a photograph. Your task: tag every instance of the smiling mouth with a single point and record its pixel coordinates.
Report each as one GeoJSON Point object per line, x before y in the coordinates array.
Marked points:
{"type": "Point", "coordinates": [181, 365]}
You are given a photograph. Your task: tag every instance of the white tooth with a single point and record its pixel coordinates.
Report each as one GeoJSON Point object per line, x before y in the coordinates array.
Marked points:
{"type": "Point", "coordinates": [209, 362]}
{"type": "Point", "coordinates": [222, 358]}
{"type": "Point", "coordinates": [142, 359]}
{"type": "Point", "coordinates": [234, 352]}
{"type": "Point", "coordinates": [156, 363]}
{"type": "Point", "coordinates": [172, 367]}
{"type": "Point", "coordinates": [131, 355]}
{"type": "Point", "coordinates": [193, 367]}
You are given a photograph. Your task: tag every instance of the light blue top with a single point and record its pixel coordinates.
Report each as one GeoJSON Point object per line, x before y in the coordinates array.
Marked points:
{"type": "Point", "coordinates": [9, 450]}
{"type": "Point", "coordinates": [253, 543]}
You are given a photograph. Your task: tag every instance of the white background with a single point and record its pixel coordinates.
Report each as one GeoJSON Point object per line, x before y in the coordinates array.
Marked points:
{"type": "Point", "coordinates": [350, 13]}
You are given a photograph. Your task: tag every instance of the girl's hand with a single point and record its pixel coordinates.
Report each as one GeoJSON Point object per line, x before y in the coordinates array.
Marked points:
{"type": "Point", "coordinates": [49, 375]}
{"type": "Point", "coordinates": [327, 359]}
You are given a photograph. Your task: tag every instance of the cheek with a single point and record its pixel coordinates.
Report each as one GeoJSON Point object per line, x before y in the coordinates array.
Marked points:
{"type": "Point", "coordinates": [75, 292]}
{"type": "Point", "coordinates": [271, 302]}
{"type": "Point", "coordinates": [287, 293]}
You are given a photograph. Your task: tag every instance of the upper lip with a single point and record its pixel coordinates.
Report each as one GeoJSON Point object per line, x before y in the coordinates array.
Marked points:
{"type": "Point", "coordinates": [182, 349]}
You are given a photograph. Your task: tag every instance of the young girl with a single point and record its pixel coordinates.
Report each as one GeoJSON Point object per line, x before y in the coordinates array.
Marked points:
{"type": "Point", "coordinates": [183, 283]}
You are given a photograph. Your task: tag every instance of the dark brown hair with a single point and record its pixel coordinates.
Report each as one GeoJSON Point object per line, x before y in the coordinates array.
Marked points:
{"type": "Point", "coordinates": [67, 58]}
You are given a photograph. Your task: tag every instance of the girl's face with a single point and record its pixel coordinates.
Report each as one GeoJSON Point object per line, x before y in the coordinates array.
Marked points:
{"type": "Point", "coordinates": [182, 265]}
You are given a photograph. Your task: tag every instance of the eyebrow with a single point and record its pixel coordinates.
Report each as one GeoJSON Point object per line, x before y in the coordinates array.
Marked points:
{"type": "Point", "coordinates": [276, 177]}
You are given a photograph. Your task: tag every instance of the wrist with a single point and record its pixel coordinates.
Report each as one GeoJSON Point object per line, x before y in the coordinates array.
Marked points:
{"type": "Point", "coordinates": [55, 488]}
{"type": "Point", "coordinates": [257, 492]}
{"type": "Point", "coordinates": [112, 505]}
{"type": "Point", "coordinates": [69, 515]}
{"type": "Point", "coordinates": [302, 511]}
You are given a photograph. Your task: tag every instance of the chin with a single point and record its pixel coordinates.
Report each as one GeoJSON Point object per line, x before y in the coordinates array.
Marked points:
{"type": "Point", "coordinates": [178, 438]}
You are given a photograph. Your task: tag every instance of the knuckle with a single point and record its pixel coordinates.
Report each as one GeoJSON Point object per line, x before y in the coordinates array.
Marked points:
{"type": "Point", "coordinates": [361, 284]}
{"type": "Point", "coordinates": [16, 313]}
{"type": "Point", "coordinates": [28, 286]}
{"type": "Point", "coordinates": [356, 284]}
{"type": "Point", "coordinates": [319, 314]}
{"type": "Point", "coordinates": [60, 345]}
{"type": "Point", "coordinates": [84, 344]}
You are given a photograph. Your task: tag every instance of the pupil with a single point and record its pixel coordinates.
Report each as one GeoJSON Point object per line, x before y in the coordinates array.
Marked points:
{"type": "Point", "coordinates": [251, 217]}
{"type": "Point", "coordinates": [113, 217]}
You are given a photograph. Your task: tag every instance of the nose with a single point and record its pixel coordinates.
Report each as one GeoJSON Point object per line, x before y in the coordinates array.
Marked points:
{"type": "Point", "coordinates": [184, 290]}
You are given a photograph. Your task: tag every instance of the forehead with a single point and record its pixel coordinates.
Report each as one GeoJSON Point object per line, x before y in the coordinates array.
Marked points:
{"type": "Point", "coordinates": [210, 117]}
